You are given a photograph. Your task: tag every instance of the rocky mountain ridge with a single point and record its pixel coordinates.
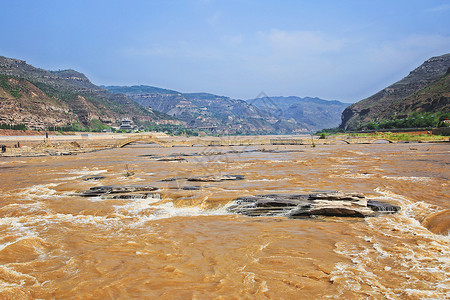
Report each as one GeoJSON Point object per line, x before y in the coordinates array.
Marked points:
{"type": "Point", "coordinates": [224, 115]}
{"type": "Point", "coordinates": [39, 98]}
{"type": "Point", "coordinates": [425, 89]}
{"type": "Point", "coordinates": [310, 113]}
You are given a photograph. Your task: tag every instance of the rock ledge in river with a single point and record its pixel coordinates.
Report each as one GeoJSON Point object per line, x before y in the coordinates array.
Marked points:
{"type": "Point", "coordinates": [337, 204]}
{"type": "Point", "coordinates": [121, 192]}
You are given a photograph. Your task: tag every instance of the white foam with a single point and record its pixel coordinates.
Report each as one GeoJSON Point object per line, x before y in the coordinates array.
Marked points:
{"type": "Point", "coordinates": [410, 178]}
{"type": "Point", "coordinates": [86, 171]}
{"type": "Point", "coordinates": [424, 261]}
{"type": "Point", "coordinates": [39, 191]}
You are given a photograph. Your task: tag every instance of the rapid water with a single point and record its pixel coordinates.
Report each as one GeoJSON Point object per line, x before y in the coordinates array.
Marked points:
{"type": "Point", "coordinates": [55, 244]}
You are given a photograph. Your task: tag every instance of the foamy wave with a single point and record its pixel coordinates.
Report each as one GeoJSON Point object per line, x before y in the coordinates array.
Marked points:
{"type": "Point", "coordinates": [424, 262]}
{"type": "Point", "coordinates": [87, 171]}
{"type": "Point", "coordinates": [267, 180]}
{"type": "Point", "coordinates": [353, 175]}
{"type": "Point", "coordinates": [39, 191]}
{"type": "Point", "coordinates": [412, 178]}
{"type": "Point", "coordinates": [188, 211]}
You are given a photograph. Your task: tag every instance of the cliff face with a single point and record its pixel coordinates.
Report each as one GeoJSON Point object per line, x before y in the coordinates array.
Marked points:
{"type": "Point", "coordinates": [23, 103]}
{"type": "Point", "coordinates": [39, 98]}
{"type": "Point", "coordinates": [402, 97]}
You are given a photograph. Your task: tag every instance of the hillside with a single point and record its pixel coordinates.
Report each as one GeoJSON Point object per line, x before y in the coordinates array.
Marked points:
{"type": "Point", "coordinates": [424, 90]}
{"type": "Point", "coordinates": [212, 113]}
{"type": "Point", "coordinates": [310, 113]}
{"type": "Point", "coordinates": [39, 98]}
{"type": "Point", "coordinates": [220, 114]}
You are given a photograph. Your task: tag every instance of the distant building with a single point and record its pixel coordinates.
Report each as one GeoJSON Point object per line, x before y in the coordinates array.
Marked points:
{"type": "Point", "coordinates": [126, 124]}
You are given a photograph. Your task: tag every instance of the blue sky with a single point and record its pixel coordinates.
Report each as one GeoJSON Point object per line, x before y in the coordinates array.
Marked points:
{"type": "Point", "coordinates": [337, 50]}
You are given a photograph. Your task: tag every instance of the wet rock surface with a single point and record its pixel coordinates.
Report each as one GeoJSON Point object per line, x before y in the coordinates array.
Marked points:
{"type": "Point", "coordinates": [92, 177]}
{"type": "Point", "coordinates": [213, 178]}
{"type": "Point", "coordinates": [191, 188]}
{"type": "Point", "coordinates": [120, 192]}
{"type": "Point", "coordinates": [207, 178]}
{"type": "Point", "coordinates": [171, 159]}
{"type": "Point", "coordinates": [329, 203]}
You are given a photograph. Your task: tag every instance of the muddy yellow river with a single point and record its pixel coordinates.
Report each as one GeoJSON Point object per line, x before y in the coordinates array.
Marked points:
{"type": "Point", "coordinates": [57, 245]}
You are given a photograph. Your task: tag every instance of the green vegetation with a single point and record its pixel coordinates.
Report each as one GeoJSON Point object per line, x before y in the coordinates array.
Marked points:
{"type": "Point", "coordinates": [13, 91]}
{"type": "Point", "coordinates": [141, 89]}
{"type": "Point", "coordinates": [328, 131]}
{"type": "Point", "coordinates": [14, 127]}
{"type": "Point", "coordinates": [414, 120]}
{"type": "Point", "coordinates": [172, 129]}
{"type": "Point", "coordinates": [96, 125]}
{"type": "Point", "coordinates": [400, 136]}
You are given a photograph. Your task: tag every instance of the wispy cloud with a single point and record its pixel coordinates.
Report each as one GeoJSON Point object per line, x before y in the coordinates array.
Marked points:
{"type": "Point", "coordinates": [233, 40]}
{"type": "Point", "coordinates": [441, 8]}
{"type": "Point", "coordinates": [213, 19]}
{"type": "Point", "coordinates": [300, 41]}
{"type": "Point", "coordinates": [410, 47]}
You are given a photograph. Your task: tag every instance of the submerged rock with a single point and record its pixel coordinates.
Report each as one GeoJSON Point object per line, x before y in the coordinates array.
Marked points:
{"type": "Point", "coordinates": [329, 203]}
{"type": "Point", "coordinates": [191, 188]}
{"type": "Point", "coordinates": [207, 178]}
{"type": "Point", "coordinates": [135, 196]}
{"type": "Point", "coordinates": [173, 179]}
{"type": "Point", "coordinates": [213, 178]}
{"type": "Point", "coordinates": [171, 159]}
{"type": "Point", "coordinates": [92, 177]}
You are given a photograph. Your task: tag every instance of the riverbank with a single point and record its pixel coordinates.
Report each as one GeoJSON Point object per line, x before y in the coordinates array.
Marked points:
{"type": "Point", "coordinates": [60, 144]}
{"type": "Point", "coordinates": [410, 136]}
{"type": "Point", "coordinates": [72, 144]}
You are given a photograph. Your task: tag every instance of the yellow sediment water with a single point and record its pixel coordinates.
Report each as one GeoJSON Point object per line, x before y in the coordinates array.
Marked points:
{"type": "Point", "coordinates": [55, 244]}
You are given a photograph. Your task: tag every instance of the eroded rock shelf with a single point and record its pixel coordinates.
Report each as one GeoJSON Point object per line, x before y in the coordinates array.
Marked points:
{"type": "Point", "coordinates": [329, 203]}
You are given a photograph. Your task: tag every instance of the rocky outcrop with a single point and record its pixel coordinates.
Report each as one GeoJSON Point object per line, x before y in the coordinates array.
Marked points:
{"type": "Point", "coordinates": [399, 99]}
{"type": "Point", "coordinates": [121, 192]}
{"type": "Point", "coordinates": [330, 203]}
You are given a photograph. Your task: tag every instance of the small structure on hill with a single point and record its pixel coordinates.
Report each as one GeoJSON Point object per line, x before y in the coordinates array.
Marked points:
{"type": "Point", "coordinates": [126, 124]}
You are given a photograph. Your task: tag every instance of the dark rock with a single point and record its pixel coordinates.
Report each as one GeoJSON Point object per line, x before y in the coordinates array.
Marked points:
{"type": "Point", "coordinates": [212, 178]}
{"type": "Point", "coordinates": [135, 196]}
{"type": "Point", "coordinates": [171, 159]}
{"type": "Point", "coordinates": [95, 177]}
{"type": "Point", "coordinates": [192, 188]}
{"type": "Point", "coordinates": [173, 179]}
{"type": "Point", "coordinates": [330, 203]}
{"type": "Point", "coordinates": [381, 206]}
{"type": "Point", "coordinates": [330, 211]}
{"type": "Point", "coordinates": [115, 189]}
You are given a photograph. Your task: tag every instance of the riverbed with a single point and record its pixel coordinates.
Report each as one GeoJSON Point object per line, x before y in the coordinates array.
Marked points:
{"type": "Point", "coordinates": [183, 243]}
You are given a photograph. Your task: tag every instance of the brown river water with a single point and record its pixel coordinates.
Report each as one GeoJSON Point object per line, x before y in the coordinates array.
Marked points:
{"type": "Point", "coordinates": [57, 245]}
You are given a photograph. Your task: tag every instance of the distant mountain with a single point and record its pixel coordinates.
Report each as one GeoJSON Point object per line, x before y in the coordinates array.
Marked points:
{"type": "Point", "coordinates": [425, 90]}
{"type": "Point", "coordinates": [39, 98]}
{"type": "Point", "coordinates": [224, 115]}
{"type": "Point", "coordinates": [311, 113]}
{"type": "Point", "coordinates": [212, 113]}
